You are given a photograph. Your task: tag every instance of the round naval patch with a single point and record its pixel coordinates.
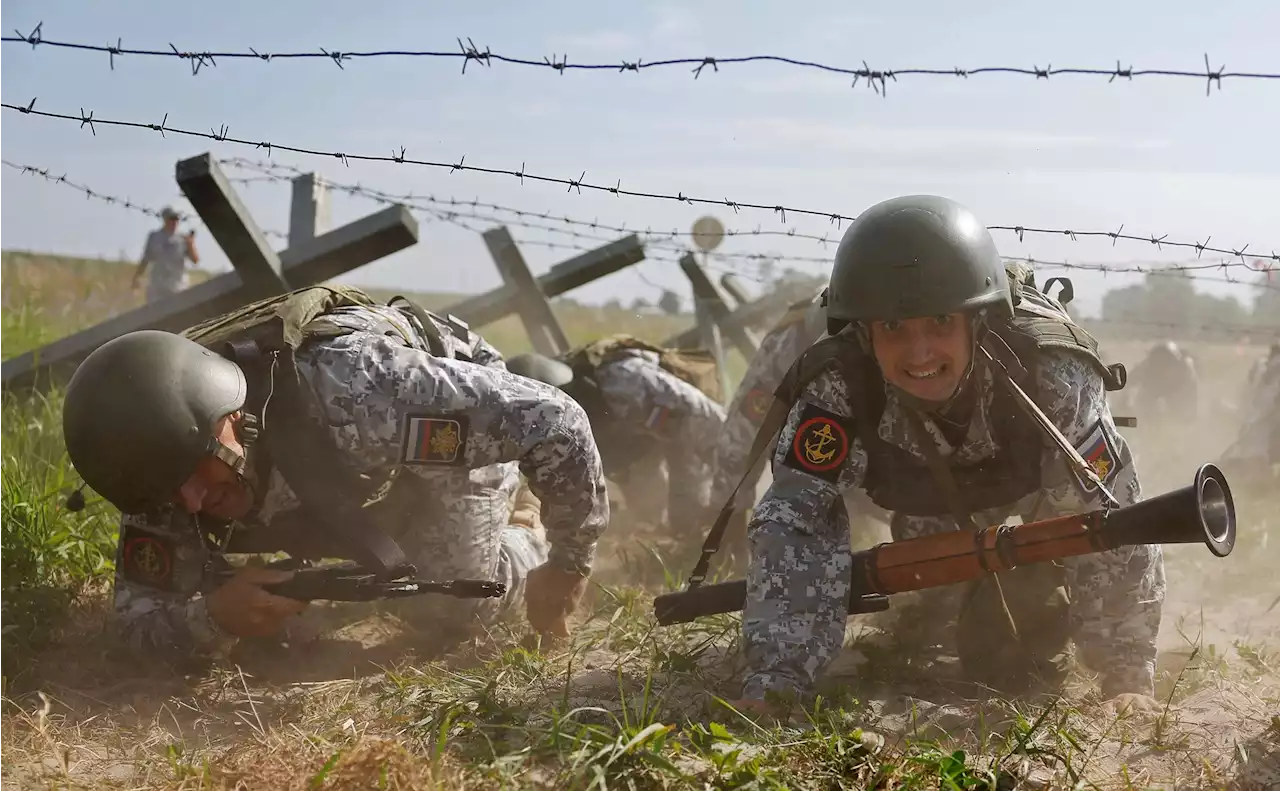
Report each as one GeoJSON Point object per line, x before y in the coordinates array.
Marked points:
{"type": "Point", "coordinates": [820, 444]}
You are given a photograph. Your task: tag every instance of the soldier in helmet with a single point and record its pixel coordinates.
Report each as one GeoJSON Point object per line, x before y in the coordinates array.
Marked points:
{"type": "Point", "coordinates": [638, 408]}
{"type": "Point", "coordinates": [324, 424]}
{"type": "Point", "coordinates": [908, 399]}
{"type": "Point", "coordinates": [1165, 385]}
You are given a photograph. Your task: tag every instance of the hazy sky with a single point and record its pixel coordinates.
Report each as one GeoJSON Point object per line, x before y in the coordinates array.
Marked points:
{"type": "Point", "coordinates": [1155, 154]}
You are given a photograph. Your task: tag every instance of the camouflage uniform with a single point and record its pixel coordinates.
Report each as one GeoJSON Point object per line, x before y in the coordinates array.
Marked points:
{"type": "Point", "coordinates": [781, 347]}
{"type": "Point", "coordinates": [1257, 445]}
{"type": "Point", "coordinates": [798, 584]}
{"type": "Point", "coordinates": [373, 385]}
{"type": "Point", "coordinates": [646, 403]}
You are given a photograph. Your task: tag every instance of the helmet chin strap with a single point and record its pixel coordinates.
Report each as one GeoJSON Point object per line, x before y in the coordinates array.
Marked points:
{"type": "Point", "coordinates": [248, 429]}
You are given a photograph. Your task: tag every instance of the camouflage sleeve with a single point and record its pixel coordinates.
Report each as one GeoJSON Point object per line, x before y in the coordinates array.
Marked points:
{"type": "Point", "coordinates": [389, 405]}
{"type": "Point", "coordinates": [642, 394]}
{"type": "Point", "coordinates": [798, 580]}
{"type": "Point", "coordinates": [483, 353]}
{"type": "Point", "coordinates": [160, 564]}
{"type": "Point", "coordinates": [778, 350]}
{"type": "Point", "coordinates": [1116, 596]}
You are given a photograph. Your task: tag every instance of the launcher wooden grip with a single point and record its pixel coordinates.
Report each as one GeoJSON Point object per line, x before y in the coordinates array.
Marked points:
{"type": "Point", "coordinates": [960, 556]}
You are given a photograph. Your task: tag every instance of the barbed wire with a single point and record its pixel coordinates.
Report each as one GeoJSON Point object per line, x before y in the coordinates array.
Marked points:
{"type": "Point", "coordinates": [91, 193]}
{"type": "Point", "coordinates": [222, 134]}
{"type": "Point", "coordinates": [459, 217]}
{"type": "Point", "coordinates": [876, 79]}
{"type": "Point", "coordinates": [279, 173]}
{"type": "Point", "coordinates": [723, 262]}
{"type": "Point", "coordinates": [271, 172]}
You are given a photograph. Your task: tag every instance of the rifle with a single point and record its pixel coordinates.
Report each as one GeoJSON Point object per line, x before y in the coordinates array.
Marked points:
{"type": "Point", "coordinates": [350, 581]}
{"type": "Point", "coordinates": [1201, 512]}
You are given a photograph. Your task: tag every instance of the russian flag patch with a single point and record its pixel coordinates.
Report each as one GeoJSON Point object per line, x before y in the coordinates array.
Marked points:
{"type": "Point", "coordinates": [1099, 451]}
{"type": "Point", "coordinates": [435, 440]}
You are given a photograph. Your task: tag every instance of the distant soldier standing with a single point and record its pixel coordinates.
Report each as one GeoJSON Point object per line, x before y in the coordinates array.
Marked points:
{"type": "Point", "coordinates": [911, 399]}
{"type": "Point", "coordinates": [639, 406]}
{"type": "Point", "coordinates": [166, 253]}
{"type": "Point", "coordinates": [324, 424]}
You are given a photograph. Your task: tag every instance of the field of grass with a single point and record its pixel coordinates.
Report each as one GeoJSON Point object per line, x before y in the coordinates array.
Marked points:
{"type": "Point", "coordinates": [623, 704]}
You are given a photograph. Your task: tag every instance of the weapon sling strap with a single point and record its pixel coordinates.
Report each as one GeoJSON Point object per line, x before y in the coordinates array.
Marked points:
{"type": "Point", "coordinates": [772, 423]}
{"type": "Point", "coordinates": [803, 371]}
{"type": "Point", "coordinates": [1001, 359]}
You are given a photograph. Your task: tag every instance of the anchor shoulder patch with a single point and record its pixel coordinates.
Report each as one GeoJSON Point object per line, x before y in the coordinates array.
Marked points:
{"type": "Point", "coordinates": [435, 439]}
{"type": "Point", "coordinates": [820, 445]}
{"type": "Point", "coordinates": [755, 404]}
{"type": "Point", "coordinates": [1100, 451]}
{"type": "Point", "coordinates": [147, 558]}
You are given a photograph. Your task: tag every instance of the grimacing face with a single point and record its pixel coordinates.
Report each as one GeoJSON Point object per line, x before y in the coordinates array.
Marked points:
{"type": "Point", "coordinates": [215, 488]}
{"type": "Point", "coordinates": [925, 357]}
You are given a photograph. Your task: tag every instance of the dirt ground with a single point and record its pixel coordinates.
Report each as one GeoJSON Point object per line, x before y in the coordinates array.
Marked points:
{"type": "Point", "coordinates": [90, 717]}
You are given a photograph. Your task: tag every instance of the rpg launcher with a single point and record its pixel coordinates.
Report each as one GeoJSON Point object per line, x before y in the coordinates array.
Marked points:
{"type": "Point", "coordinates": [1202, 512]}
{"type": "Point", "coordinates": [352, 582]}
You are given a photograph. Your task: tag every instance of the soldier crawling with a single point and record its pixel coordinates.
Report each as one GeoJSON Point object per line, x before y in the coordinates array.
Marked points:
{"type": "Point", "coordinates": [903, 401]}
{"type": "Point", "coordinates": [269, 428]}
{"type": "Point", "coordinates": [639, 407]}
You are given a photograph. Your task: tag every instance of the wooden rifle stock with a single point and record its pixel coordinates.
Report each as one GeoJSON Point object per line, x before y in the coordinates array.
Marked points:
{"type": "Point", "coordinates": [1201, 512]}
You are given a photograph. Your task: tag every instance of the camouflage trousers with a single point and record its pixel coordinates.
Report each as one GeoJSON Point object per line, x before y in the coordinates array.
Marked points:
{"type": "Point", "coordinates": [480, 527]}
{"type": "Point", "coordinates": [1010, 631]}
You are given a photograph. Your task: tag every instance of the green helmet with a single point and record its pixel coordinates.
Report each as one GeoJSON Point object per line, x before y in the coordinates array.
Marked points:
{"type": "Point", "coordinates": [140, 411]}
{"type": "Point", "coordinates": [542, 368]}
{"type": "Point", "coordinates": [918, 255]}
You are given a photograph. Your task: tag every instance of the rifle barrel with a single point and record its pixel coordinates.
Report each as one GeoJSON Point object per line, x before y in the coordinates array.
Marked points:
{"type": "Point", "coordinates": [1202, 512]}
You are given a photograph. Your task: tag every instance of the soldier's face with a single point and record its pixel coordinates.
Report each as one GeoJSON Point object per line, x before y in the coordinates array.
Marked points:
{"type": "Point", "coordinates": [925, 357]}
{"type": "Point", "coordinates": [214, 488]}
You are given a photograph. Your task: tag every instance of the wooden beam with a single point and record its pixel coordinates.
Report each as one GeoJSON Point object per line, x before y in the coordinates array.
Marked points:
{"type": "Point", "coordinates": [232, 226]}
{"type": "Point", "coordinates": [535, 311]}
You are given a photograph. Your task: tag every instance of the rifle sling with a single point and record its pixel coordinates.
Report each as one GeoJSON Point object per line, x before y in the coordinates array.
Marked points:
{"type": "Point", "coordinates": [772, 423]}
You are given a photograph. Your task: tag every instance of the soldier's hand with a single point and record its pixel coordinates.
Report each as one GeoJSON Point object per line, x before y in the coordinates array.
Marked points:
{"type": "Point", "coordinates": [242, 608]}
{"type": "Point", "coordinates": [1131, 704]}
{"type": "Point", "coordinates": [552, 595]}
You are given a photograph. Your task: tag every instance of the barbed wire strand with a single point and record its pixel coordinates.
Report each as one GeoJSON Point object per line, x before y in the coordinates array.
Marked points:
{"type": "Point", "coordinates": [222, 134]}
{"type": "Point", "coordinates": [272, 172]}
{"type": "Point", "coordinates": [726, 260]}
{"type": "Point", "coordinates": [126, 203]}
{"type": "Point", "coordinates": [652, 240]}
{"type": "Point", "coordinates": [112, 200]}
{"type": "Point", "coordinates": [876, 79]}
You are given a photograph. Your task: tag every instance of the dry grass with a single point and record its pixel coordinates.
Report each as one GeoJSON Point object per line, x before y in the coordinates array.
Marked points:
{"type": "Point", "coordinates": [625, 704]}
